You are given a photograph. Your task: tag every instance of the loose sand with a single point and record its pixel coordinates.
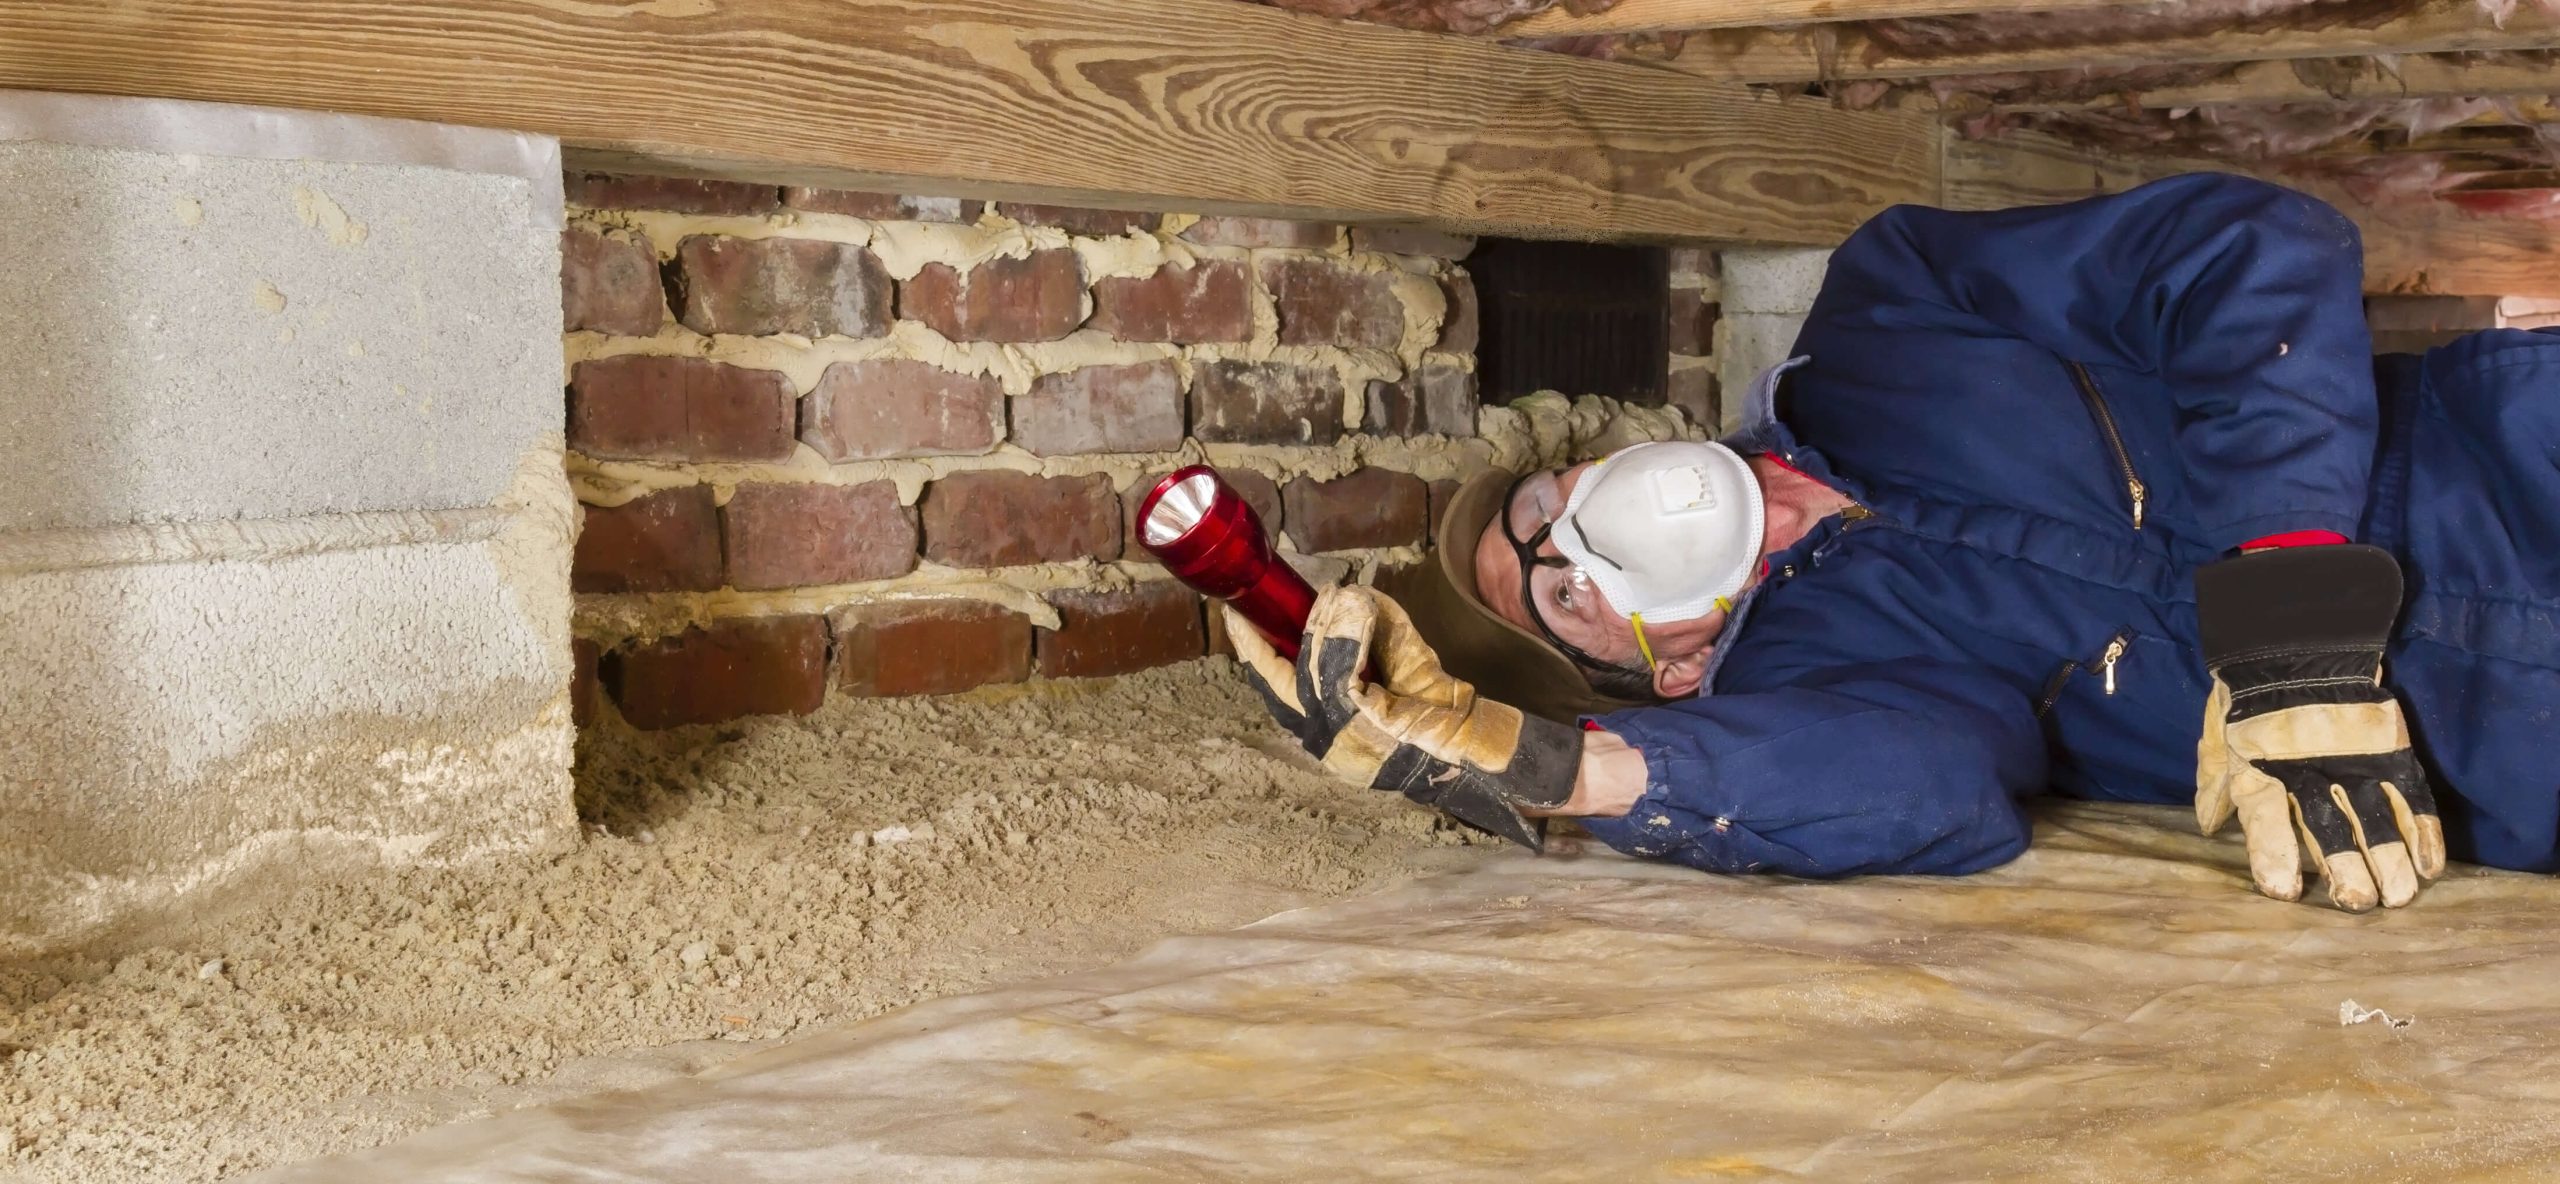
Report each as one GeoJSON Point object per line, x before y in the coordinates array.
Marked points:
{"type": "Point", "coordinates": [740, 883]}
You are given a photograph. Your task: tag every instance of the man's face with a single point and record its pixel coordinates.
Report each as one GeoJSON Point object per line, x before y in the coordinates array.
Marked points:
{"type": "Point", "coordinates": [1567, 604]}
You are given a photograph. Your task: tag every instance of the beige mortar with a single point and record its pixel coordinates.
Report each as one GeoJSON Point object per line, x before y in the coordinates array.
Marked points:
{"type": "Point", "coordinates": [613, 618]}
{"type": "Point", "coordinates": [803, 360]}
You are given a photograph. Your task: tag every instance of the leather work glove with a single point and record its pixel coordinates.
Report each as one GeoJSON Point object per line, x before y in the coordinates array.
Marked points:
{"type": "Point", "coordinates": [2300, 736]}
{"type": "Point", "coordinates": [1423, 733]}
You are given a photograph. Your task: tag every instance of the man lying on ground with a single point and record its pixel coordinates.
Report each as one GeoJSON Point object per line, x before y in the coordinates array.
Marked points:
{"type": "Point", "coordinates": [2108, 499]}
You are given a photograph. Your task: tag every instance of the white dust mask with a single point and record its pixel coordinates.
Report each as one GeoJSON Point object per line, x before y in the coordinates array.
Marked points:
{"type": "Point", "coordinates": [1668, 530]}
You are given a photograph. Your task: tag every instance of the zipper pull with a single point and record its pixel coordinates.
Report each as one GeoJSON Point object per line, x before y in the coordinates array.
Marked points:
{"type": "Point", "coordinates": [2133, 485]}
{"type": "Point", "coordinates": [2115, 650]}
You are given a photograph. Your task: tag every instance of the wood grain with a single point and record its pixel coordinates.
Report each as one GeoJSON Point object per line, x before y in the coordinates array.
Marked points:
{"type": "Point", "coordinates": [2417, 77]}
{"type": "Point", "coordinates": [1663, 16]}
{"type": "Point", "coordinates": [2416, 248]}
{"type": "Point", "coordinates": [1191, 104]}
{"type": "Point", "coordinates": [1798, 55]}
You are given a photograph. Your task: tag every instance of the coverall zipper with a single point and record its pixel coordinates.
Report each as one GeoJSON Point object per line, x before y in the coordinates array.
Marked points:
{"type": "Point", "coordinates": [2104, 665]}
{"type": "Point", "coordinates": [2097, 401]}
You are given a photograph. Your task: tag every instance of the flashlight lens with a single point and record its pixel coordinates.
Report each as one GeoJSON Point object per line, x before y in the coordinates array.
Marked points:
{"type": "Point", "coordinates": [1181, 508]}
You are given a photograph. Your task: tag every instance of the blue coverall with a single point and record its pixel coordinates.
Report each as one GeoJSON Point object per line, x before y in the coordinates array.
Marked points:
{"type": "Point", "coordinates": [2057, 414]}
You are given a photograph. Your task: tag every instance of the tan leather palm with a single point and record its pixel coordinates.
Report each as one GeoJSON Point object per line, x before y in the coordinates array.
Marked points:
{"type": "Point", "coordinates": [1424, 706]}
{"type": "Point", "coordinates": [1404, 723]}
{"type": "Point", "coordinates": [2288, 775]}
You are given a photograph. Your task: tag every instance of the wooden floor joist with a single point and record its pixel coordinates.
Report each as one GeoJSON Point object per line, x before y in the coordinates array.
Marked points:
{"type": "Point", "coordinates": [2321, 81]}
{"type": "Point", "coordinates": [1165, 104]}
{"type": "Point", "coordinates": [1664, 16]}
{"type": "Point", "coordinates": [2415, 247]}
{"type": "Point", "coordinates": [1801, 55]}
{"type": "Point", "coordinates": [1217, 107]}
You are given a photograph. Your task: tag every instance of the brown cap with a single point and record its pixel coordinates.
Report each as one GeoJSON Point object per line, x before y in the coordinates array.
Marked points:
{"type": "Point", "coordinates": [1506, 663]}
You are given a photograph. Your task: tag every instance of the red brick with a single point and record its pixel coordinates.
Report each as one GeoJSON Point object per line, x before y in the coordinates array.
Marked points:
{"type": "Point", "coordinates": [668, 541]}
{"type": "Point", "coordinates": [930, 647]}
{"type": "Point", "coordinates": [884, 407]}
{"type": "Point", "coordinates": [1262, 232]}
{"type": "Point", "coordinates": [1458, 324]}
{"type": "Point", "coordinates": [997, 518]}
{"type": "Point", "coordinates": [1039, 297]}
{"type": "Point", "coordinates": [788, 535]}
{"type": "Point", "coordinates": [1236, 402]}
{"type": "Point", "coordinates": [1207, 302]}
{"type": "Point", "coordinates": [583, 656]}
{"type": "Point", "coordinates": [2442, 314]}
{"type": "Point", "coordinates": [760, 286]}
{"type": "Point", "coordinates": [638, 407]}
{"type": "Point", "coordinates": [1441, 493]}
{"type": "Point", "coordinates": [1135, 408]}
{"type": "Point", "coordinates": [1321, 303]}
{"type": "Point", "coordinates": [730, 669]}
{"type": "Point", "coordinates": [1436, 399]}
{"type": "Point", "coordinates": [1693, 322]}
{"type": "Point", "coordinates": [882, 207]}
{"type": "Point", "coordinates": [1411, 240]}
{"type": "Point", "coordinates": [1696, 391]}
{"type": "Point", "coordinates": [1100, 633]}
{"type": "Point", "coordinates": [609, 283]}
{"type": "Point", "coordinates": [1365, 508]}
{"type": "Point", "coordinates": [1078, 221]}
{"type": "Point", "coordinates": [684, 195]}
{"type": "Point", "coordinates": [1260, 492]}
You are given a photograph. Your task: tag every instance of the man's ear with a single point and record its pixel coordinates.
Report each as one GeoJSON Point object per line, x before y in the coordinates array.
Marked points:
{"type": "Point", "coordinates": [1680, 677]}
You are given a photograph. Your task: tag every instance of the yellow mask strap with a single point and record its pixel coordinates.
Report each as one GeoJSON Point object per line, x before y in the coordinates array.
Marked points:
{"type": "Point", "coordinates": [1644, 646]}
{"type": "Point", "coordinates": [1725, 603]}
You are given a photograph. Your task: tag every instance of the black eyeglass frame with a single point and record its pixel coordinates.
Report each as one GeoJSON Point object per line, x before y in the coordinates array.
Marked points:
{"type": "Point", "coordinates": [1530, 560]}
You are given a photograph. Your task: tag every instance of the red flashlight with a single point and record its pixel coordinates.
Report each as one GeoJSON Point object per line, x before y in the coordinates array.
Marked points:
{"type": "Point", "coordinates": [1208, 536]}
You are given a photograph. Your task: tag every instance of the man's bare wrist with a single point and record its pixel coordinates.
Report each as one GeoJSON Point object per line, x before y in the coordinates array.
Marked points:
{"type": "Point", "coordinates": [1612, 777]}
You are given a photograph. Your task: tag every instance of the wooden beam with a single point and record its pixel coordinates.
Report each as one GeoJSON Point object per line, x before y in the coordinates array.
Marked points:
{"type": "Point", "coordinates": [1666, 16]}
{"type": "Point", "coordinates": [1801, 55]}
{"type": "Point", "coordinates": [1209, 106]}
{"type": "Point", "coordinates": [2319, 81]}
{"type": "Point", "coordinates": [2496, 142]}
{"type": "Point", "coordinates": [2418, 247]}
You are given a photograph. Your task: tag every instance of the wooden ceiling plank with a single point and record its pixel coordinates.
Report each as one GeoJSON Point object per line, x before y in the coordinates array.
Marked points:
{"type": "Point", "coordinates": [1669, 16]}
{"type": "Point", "coordinates": [1793, 55]}
{"type": "Point", "coordinates": [1162, 104]}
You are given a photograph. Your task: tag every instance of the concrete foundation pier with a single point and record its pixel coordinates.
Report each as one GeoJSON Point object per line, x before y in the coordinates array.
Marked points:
{"type": "Point", "coordinates": [284, 548]}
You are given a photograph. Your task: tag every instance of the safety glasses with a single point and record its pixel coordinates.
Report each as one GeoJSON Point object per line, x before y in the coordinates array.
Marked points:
{"type": "Point", "coordinates": [1530, 508]}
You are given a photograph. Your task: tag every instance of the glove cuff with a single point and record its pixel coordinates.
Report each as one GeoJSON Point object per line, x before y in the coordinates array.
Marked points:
{"type": "Point", "coordinates": [1547, 763]}
{"type": "Point", "coordinates": [2259, 614]}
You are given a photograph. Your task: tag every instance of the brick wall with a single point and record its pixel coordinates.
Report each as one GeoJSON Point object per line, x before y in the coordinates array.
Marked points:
{"type": "Point", "coordinates": [842, 443]}
{"type": "Point", "coordinates": [2416, 324]}
{"type": "Point", "coordinates": [1697, 307]}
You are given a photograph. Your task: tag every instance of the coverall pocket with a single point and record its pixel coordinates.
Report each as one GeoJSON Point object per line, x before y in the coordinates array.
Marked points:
{"type": "Point", "coordinates": [2122, 724]}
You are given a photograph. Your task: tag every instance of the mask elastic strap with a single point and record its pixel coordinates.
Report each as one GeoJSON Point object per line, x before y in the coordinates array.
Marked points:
{"type": "Point", "coordinates": [1644, 645]}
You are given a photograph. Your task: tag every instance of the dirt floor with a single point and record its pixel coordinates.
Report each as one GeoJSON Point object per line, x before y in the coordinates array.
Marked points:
{"type": "Point", "coordinates": [741, 883]}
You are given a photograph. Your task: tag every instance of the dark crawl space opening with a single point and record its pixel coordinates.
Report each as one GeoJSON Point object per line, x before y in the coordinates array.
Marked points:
{"type": "Point", "coordinates": [1581, 318]}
